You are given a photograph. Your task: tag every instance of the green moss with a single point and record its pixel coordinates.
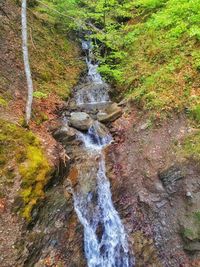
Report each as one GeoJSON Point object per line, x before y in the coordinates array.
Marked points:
{"type": "Point", "coordinates": [197, 217]}
{"type": "Point", "coordinates": [3, 102]}
{"type": "Point", "coordinates": [190, 230]}
{"type": "Point", "coordinates": [40, 95]}
{"type": "Point", "coordinates": [190, 146]}
{"type": "Point", "coordinates": [24, 151]}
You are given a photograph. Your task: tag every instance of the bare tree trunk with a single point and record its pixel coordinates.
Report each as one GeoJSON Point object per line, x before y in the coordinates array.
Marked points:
{"type": "Point", "coordinates": [26, 61]}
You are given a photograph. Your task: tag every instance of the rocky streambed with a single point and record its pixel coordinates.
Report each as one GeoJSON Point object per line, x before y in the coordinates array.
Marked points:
{"type": "Point", "coordinates": [113, 148]}
{"type": "Point", "coordinates": [82, 202]}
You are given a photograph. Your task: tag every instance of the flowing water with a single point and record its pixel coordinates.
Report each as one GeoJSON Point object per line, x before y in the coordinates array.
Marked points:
{"type": "Point", "coordinates": [95, 90]}
{"type": "Point", "coordinates": [105, 240]}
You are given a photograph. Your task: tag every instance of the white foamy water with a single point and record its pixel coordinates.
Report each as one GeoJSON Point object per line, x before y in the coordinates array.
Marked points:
{"type": "Point", "coordinates": [92, 141]}
{"type": "Point", "coordinates": [90, 94]}
{"type": "Point", "coordinates": [105, 240]}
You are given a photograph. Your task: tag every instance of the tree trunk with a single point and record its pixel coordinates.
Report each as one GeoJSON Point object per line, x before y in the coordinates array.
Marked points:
{"type": "Point", "coordinates": [26, 61]}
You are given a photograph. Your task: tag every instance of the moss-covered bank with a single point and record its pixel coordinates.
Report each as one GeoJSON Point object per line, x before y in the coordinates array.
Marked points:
{"type": "Point", "coordinates": [21, 155]}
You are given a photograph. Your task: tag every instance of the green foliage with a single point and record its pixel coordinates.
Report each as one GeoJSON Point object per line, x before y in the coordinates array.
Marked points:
{"type": "Point", "coordinates": [40, 117]}
{"type": "Point", "coordinates": [195, 113]}
{"type": "Point", "coordinates": [196, 59]}
{"type": "Point", "coordinates": [191, 146]}
{"type": "Point", "coordinates": [197, 216]}
{"type": "Point", "coordinates": [163, 60]}
{"type": "Point", "coordinates": [149, 49]}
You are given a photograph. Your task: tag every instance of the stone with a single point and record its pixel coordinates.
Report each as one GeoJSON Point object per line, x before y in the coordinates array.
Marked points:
{"type": "Point", "coordinates": [100, 129]}
{"type": "Point", "coordinates": [190, 230]}
{"type": "Point", "coordinates": [188, 194]}
{"type": "Point", "coordinates": [171, 175]}
{"type": "Point", "coordinates": [144, 126]}
{"type": "Point", "coordinates": [65, 134]}
{"type": "Point", "coordinates": [110, 113]}
{"type": "Point", "coordinates": [80, 120]}
{"type": "Point", "coordinates": [192, 246]}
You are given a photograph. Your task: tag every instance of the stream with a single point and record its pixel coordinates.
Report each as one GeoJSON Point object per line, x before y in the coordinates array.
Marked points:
{"type": "Point", "coordinates": [105, 240]}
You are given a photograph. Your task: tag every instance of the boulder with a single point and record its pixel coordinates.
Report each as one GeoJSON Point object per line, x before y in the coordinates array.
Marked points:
{"type": "Point", "coordinates": [100, 129]}
{"type": "Point", "coordinates": [110, 113]}
{"type": "Point", "coordinates": [80, 120]}
{"type": "Point", "coordinates": [190, 231]}
{"type": "Point", "coordinates": [171, 175]}
{"type": "Point", "coordinates": [65, 134]}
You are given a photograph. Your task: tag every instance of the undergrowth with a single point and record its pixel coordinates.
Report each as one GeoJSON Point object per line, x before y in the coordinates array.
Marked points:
{"type": "Point", "coordinates": [162, 70]}
{"type": "Point", "coordinates": [54, 58]}
{"type": "Point", "coordinates": [190, 146]}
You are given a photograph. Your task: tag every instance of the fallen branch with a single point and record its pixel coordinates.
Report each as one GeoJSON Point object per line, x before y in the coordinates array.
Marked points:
{"type": "Point", "coordinates": [32, 39]}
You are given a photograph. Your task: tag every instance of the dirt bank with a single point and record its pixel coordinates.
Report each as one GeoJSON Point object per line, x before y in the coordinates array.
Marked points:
{"type": "Point", "coordinates": [154, 188]}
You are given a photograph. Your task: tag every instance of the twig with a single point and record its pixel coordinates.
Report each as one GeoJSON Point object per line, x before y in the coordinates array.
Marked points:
{"type": "Point", "coordinates": [32, 39]}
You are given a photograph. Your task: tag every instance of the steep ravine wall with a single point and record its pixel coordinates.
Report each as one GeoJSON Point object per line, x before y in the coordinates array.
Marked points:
{"type": "Point", "coordinates": [155, 189]}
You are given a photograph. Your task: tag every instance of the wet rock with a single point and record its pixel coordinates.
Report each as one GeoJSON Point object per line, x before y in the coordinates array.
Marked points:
{"type": "Point", "coordinates": [188, 194]}
{"type": "Point", "coordinates": [72, 105]}
{"type": "Point", "coordinates": [65, 134]}
{"type": "Point", "coordinates": [123, 103]}
{"type": "Point", "coordinates": [144, 126]}
{"type": "Point", "coordinates": [100, 129]}
{"type": "Point", "coordinates": [80, 120]}
{"type": "Point", "coordinates": [171, 175]}
{"type": "Point", "coordinates": [89, 93]}
{"type": "Point", "coordinates": [144, 251]}
{"type": "Point", "coordinates": [110, 113]}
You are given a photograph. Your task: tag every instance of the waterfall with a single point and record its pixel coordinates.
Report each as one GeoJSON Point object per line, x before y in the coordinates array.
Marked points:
{"type": "Point", "coordinates": [105, 240]}
{"type": "Point", "coordinates": [111, 250]}
{"type": "Point", "coordinates": [89, 94]}
{"type": "Point", "coordinates": [93, 74]}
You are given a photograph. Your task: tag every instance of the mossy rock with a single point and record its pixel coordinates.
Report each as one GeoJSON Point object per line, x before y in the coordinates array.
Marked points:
{"type": "Point", "coordinates": [23, 149]}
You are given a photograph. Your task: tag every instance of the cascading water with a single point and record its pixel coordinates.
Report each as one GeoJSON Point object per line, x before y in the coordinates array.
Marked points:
{"type": "Point", "coordinates": [105, 241]}
{"type": "Point", "coordinates": [89, 94]}
{"type": "Point", "coordinates": [93, 74]}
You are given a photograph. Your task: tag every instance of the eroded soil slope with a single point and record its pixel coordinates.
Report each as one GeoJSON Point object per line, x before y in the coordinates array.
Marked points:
{"type": "Point", "coordinates": [156, 189]}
